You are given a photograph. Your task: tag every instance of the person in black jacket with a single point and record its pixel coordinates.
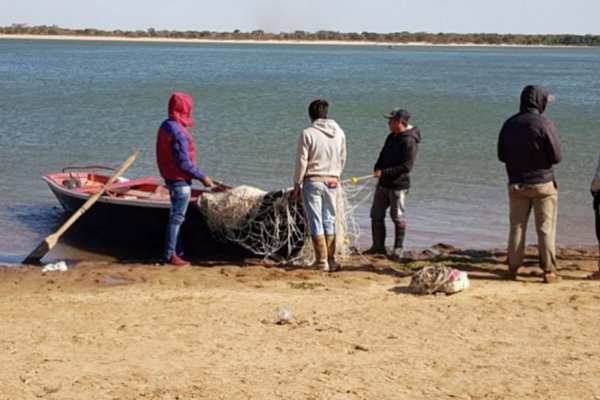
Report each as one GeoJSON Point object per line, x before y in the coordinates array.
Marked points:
{"type": "Point", "coordinates": [529, 146]}
{"type": "Point", "coordinates": [393, 167]}
{"type": "Point", "coordinates": [595, 189]}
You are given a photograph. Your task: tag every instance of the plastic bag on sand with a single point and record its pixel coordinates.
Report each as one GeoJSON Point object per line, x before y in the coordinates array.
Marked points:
{"type": "Point", "coordinates": [459, 280]}
{"type": "Point", "coordinates": [59, 266]}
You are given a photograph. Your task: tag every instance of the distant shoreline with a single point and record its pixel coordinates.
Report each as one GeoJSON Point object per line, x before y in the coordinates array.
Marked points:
{"type": "Point", "coordinates": [273, 42]}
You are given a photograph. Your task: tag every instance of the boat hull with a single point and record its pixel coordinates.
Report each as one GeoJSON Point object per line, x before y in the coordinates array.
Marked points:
{"type": "Point", "coordinates": [142, 222]}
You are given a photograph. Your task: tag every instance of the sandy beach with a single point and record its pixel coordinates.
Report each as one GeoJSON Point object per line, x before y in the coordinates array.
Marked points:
{"type": "Point", "coordinates": [251, 41]}
{"type": "Point", "coordinates": [138, 331]}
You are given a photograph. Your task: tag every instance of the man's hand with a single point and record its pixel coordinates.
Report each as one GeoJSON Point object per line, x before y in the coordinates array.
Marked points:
{"type": "Point", "coordinates": [377, 173]}
{"type": "Point", "coordinates": [297, 191]}
{"type": "Point", "coordinates": [208, 182]}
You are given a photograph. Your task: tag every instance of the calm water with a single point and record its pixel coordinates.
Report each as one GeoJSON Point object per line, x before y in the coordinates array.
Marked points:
{"type": "Point", "coordinates": [74, 103]}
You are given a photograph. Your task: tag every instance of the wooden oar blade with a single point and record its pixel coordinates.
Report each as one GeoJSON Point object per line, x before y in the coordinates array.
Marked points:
{"type": "Point", "coordinates": [35, 257]}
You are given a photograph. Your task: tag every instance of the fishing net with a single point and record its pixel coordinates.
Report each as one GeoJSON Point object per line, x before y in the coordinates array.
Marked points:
{"type": "Point", "coordinates": [438, 278]}
{"type": "Point", "coordinates": [272, 224]}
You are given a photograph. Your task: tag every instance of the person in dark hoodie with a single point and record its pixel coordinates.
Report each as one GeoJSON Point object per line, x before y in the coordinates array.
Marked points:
{"type": "Point", "coordinates": [176, 159]}
{"type": "Point", "coordinates": [595, 190]}
{"type": "Point", "coordinates": [529, 146]}
{"type": "Point", "coordinates": [393, 167]}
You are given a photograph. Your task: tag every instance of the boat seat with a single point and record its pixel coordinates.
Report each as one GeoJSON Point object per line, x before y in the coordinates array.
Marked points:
{"type": "Point", "coordinates": [121, 186]}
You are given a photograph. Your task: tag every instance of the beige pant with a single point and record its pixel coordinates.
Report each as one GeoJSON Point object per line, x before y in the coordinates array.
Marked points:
{"type": "Point", "coordinates": [543, 198]}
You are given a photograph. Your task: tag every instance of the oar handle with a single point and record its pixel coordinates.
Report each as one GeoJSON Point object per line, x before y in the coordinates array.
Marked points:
{"type": "Point", "coordinates": [221, 184]}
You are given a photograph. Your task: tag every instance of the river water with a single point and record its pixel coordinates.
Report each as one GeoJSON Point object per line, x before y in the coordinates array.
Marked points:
{"type": "Point", "coordinates": [77, 102]}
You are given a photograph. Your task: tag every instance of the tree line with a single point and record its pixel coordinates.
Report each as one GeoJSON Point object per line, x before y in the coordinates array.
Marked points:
{"type": "Point", "coordinates": [322, 35]}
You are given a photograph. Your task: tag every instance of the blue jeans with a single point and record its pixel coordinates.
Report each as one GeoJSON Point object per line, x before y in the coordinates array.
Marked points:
{"type": "Point", "coordinates": [180, 198]}
{"type": "Point", "coordinates": [319, 206]}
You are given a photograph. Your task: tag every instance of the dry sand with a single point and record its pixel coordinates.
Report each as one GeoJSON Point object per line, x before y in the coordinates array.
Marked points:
{"type": "Point", "coordinates": [135, 331]}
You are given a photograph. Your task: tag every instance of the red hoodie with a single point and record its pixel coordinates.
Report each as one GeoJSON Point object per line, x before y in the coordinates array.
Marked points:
{"type": "Point", "coordinates": [175, 147]}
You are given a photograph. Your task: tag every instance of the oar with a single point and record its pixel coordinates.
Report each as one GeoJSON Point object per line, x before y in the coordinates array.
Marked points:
{"type": "Point", "coordinates": [221, 185]}
{"type": "Point", "coordinates": [36, 255]}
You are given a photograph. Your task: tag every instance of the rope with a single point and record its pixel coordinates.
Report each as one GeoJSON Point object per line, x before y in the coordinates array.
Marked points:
{"type": "Point", "coordinates": [355, 180]}
{"type": "Point", "coordinates": [430, 279]}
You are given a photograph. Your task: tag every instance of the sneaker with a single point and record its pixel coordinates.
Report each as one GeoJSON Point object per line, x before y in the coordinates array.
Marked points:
{"type": "Point", "coordinates": [177, 261]}
{"type": "Point", "coordinates": [551, 277]}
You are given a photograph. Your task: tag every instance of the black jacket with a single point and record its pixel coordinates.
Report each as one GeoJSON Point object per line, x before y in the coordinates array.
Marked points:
{"type": "Point", "coordinates": [397, 158]}
{"type": "Point", "coordinates": [528, 143]}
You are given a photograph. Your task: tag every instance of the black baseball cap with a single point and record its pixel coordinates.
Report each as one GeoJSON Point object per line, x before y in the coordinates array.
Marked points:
{"type": "Point", "coordinates": [398, 113]}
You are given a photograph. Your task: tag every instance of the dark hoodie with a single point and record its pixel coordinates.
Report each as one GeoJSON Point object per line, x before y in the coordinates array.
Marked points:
{"type": "Point", "coordinates": [397, 158]}
{"type": "Point", "coordinates": [528, 142]}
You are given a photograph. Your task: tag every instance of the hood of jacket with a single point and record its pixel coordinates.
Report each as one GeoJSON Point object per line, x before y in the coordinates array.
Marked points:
{"type": "Point", "coordinates": [414, 132]}
{"type": "Point", "coordinates": [328, 126]}
{"type": "Point", "coordinates": [180, 109]}
{"type": "Point", "coordinates": [534, 99]}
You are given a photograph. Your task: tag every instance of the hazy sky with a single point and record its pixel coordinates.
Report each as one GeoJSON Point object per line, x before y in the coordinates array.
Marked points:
{"type": "Point", "coordinates": [459, 16]}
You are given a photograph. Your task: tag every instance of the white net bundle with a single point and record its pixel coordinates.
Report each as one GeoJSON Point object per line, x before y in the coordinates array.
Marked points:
{"type": "Point", "coordinates": [267, 224]}
{"type": "Point", "coordinates": [438, 278]}
{"type": "Point", "coordinates": [272, 225]}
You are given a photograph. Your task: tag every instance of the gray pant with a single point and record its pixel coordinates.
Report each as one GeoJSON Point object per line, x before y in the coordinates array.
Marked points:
{"type": "Point", "coordinates": [394, 199]}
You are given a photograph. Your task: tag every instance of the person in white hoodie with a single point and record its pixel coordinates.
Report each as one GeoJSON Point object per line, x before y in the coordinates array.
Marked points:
{"type": "Point", "coordinates": [320, 160]}
{"type": "Point", "coordinates": [595, 189]}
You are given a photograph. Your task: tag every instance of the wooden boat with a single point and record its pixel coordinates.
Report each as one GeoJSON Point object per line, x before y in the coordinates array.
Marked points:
{"type": "Point", "coordinates": [137, 211]}
{"type": "Point", "coordinates": [134, 211]}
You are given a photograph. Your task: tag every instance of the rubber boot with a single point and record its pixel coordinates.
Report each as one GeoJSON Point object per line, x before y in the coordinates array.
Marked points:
{"type": "Point", "coordinates": [378, 233]}
{"type": "Point", "coordinates": [320, 247]}
{"type": "Point", "coordinates": [398, 250]}
{"type": "Point", "coordinates": [333, 265]}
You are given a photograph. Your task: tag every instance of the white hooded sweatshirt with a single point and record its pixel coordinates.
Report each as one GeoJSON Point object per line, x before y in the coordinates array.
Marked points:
{"type": "Point", "coordinates": [321, 151]}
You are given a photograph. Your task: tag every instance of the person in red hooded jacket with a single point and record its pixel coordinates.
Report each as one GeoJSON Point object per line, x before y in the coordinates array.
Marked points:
{"type": "Point", "coordinates": [176, 159]}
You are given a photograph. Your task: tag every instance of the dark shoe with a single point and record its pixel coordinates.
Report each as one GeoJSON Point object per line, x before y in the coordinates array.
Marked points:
{"type": "Point", "coordinates": [177, 261]}
{"type": "Point", "coordinates": [510, 275]}
{"type": "Point", "coordinates": [332, 266]}
{"type": "Point", "coordinates": [375, 250]}
{"type": "Point", "coordinates": [551, 277]}
{"type": "Point", "coordinates": [595, 276]}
